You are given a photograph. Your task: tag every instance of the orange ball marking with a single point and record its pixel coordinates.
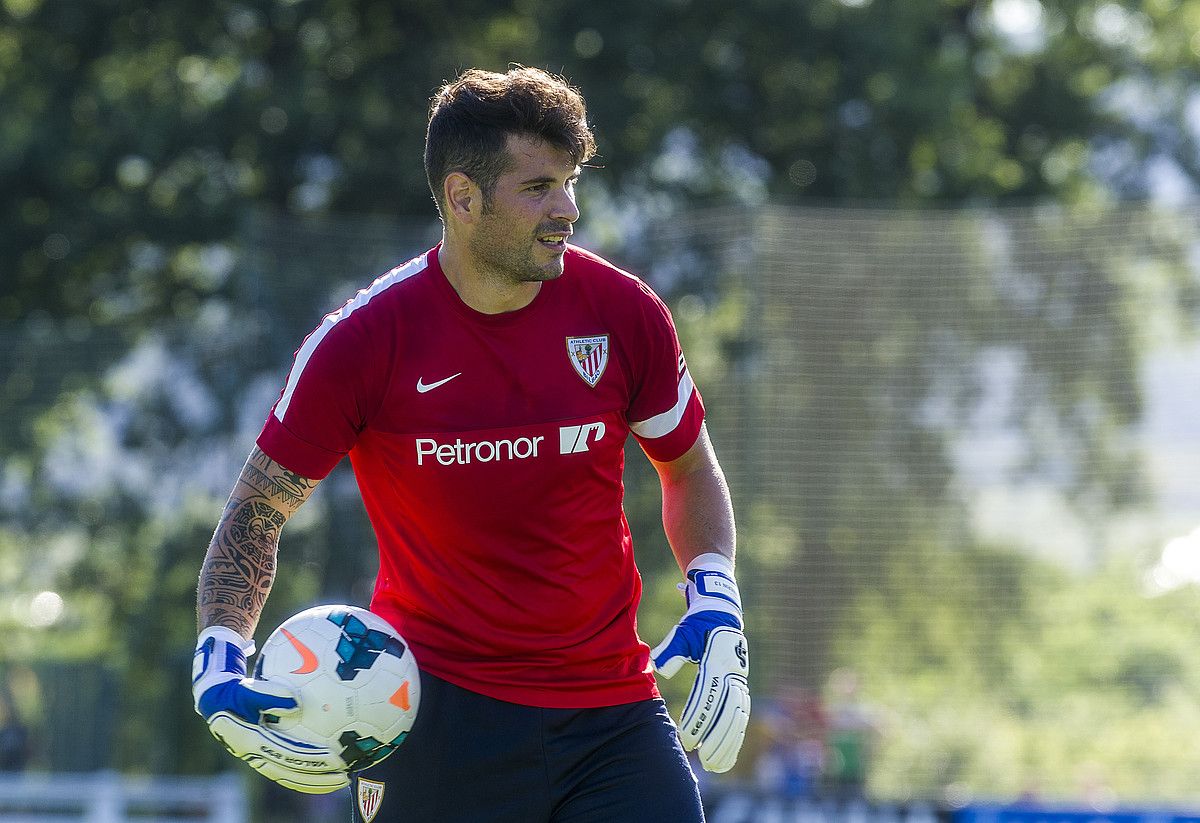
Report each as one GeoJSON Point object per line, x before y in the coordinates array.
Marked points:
{"type": "Point", "coordinates": [399, 698]}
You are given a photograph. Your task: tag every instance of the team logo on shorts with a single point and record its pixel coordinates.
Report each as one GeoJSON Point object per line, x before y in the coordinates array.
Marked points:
{"type": "Point", "coordinates": [589, 356]}
{"type": "Point", "coordinates": [370, 797]}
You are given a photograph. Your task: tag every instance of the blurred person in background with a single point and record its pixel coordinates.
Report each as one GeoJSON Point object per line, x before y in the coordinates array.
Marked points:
{"type": "Point", "coordinates": [791, 760]}
{"type": "Point", "coordinates": [484, 392]}
{"type": "Point", "coordinates": [14, 734]}
{"type": "Point", "coordinates": [853, 729]}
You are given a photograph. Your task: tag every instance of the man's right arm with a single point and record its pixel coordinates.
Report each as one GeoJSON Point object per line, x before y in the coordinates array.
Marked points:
{"type": "Point", "coordinates": [234, 583]}
{"type": "Point", "coordinates": [240, 565]}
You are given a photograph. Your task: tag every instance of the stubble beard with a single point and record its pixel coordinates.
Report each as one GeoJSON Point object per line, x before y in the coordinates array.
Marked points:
{"type": "Point", "coordinates": [509, 260]}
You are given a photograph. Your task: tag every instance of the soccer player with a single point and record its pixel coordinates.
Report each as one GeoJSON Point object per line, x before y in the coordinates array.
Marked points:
{"type": "Point", "coordinates": [484, 392]}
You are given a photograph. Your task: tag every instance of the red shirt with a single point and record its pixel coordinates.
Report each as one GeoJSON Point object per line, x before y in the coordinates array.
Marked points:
{"type": "Point", "coordinates": [489, 451]}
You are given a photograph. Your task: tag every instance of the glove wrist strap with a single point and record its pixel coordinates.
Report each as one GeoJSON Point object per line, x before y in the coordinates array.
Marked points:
{"type": "Point", "coordinates": [224, 634]}
{"type": "Point", "coordinates": [711, 586]}
{"type": "Point", "coordinates": [712, 562]}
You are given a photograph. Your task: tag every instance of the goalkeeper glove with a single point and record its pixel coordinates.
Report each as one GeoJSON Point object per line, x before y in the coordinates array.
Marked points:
{"type": "Point", "coordinates": [236, 706]}
{"type": "Point", "coordinates": [710, 634]}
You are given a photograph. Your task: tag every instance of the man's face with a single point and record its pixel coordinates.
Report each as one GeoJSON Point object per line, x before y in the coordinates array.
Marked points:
{"type": "Point", "coordinates": [522, 233]}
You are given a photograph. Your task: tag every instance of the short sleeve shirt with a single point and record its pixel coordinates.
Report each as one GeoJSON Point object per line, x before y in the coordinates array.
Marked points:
{"type": "Point", "coordinates": [489, 451]}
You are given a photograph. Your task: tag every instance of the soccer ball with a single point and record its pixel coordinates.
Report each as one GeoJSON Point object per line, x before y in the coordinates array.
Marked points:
{"type": "Point", "coordinates": [357, 681]}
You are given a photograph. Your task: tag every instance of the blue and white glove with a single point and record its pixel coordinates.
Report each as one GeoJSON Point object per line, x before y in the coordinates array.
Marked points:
{"type": "Point", "coordinates": [234, 707]}
{"type": "Point", "coordinates": [710, 634]}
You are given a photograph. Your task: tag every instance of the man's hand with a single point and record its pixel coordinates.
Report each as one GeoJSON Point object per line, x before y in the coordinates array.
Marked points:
{"type": "Point", "coordinates": [235, 707]}
{"type": "Point", "coordinates": [710, 634]}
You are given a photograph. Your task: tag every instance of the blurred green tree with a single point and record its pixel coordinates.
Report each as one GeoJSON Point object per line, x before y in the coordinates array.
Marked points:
{"type": "Point", "coordinates": [134, 135]}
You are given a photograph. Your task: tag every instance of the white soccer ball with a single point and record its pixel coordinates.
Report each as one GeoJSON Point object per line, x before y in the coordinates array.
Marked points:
{"type": "Point", "coordinates": [357, 681]}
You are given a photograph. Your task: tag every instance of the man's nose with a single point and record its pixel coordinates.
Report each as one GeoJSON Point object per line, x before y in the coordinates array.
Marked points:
{"type": "Point", "coordinates": [564, 207]}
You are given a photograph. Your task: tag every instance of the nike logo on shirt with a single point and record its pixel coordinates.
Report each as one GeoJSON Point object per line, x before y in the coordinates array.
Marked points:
{"type": "Point", "coordinates": [423, 387]}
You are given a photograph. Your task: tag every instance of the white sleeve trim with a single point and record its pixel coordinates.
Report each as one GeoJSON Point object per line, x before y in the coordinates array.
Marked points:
{"type": "Point", "coordinates": [663, 424]}
{"type": "Point", "coordinates": [302, 357]}
{"type": "Point", "coordinates": [396, 275]}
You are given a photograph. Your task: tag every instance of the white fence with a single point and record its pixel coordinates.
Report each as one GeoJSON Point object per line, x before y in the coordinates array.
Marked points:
{"type": "Point", "coordinates": [107, 797]}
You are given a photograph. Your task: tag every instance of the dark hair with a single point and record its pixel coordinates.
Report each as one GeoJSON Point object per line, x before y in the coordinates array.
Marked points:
{"type": "Point", "coordinates": [470, 120]}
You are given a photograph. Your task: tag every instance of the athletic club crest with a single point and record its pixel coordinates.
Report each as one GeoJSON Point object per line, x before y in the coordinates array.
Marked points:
{"type": "Point", "coordinates": [370, 797]}
{"type": "Point", "coordinates": [589, 356]}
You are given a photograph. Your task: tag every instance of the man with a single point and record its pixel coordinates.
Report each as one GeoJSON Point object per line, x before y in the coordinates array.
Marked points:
{"type": "Point", "coordinates": [484, 392]}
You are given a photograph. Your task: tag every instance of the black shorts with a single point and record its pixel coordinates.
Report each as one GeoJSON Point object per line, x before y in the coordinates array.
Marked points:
{"type": "Point", "coordinates": [473, 759]}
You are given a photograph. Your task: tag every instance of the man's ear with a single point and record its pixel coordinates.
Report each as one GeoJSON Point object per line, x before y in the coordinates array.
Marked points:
{"type": "Point", "coordinates": [464, 199]}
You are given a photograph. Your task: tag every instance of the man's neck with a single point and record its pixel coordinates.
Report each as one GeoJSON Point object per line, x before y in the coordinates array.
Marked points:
{"type": "Point", "coordinates": [482, 290]}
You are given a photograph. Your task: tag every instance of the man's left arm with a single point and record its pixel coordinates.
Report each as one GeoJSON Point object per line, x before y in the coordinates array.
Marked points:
{"type": "Point", "coordinates": [698, 521]}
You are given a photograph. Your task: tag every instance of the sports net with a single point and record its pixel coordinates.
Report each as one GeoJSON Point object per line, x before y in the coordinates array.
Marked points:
{"type": "Point", "coordinates": [958, 443]}
{"type": "Point", "coordinates": [962, 446]}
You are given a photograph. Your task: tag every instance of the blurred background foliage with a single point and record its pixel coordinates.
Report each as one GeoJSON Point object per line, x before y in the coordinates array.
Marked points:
{"type": "Point", "coordinates": [187, 187]}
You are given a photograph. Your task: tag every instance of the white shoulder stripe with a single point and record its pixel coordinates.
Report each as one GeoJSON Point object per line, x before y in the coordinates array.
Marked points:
{"type": "Point", "coordinates": [665, 423]}
{"type": "Point", "coordinates": [396, 275]}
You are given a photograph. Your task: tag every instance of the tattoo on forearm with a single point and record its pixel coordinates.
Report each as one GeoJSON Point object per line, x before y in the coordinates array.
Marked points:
{"type": "Point", "coordinates": [287, 486]}
{"type": "Point", "coordinates": [240, 566]}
